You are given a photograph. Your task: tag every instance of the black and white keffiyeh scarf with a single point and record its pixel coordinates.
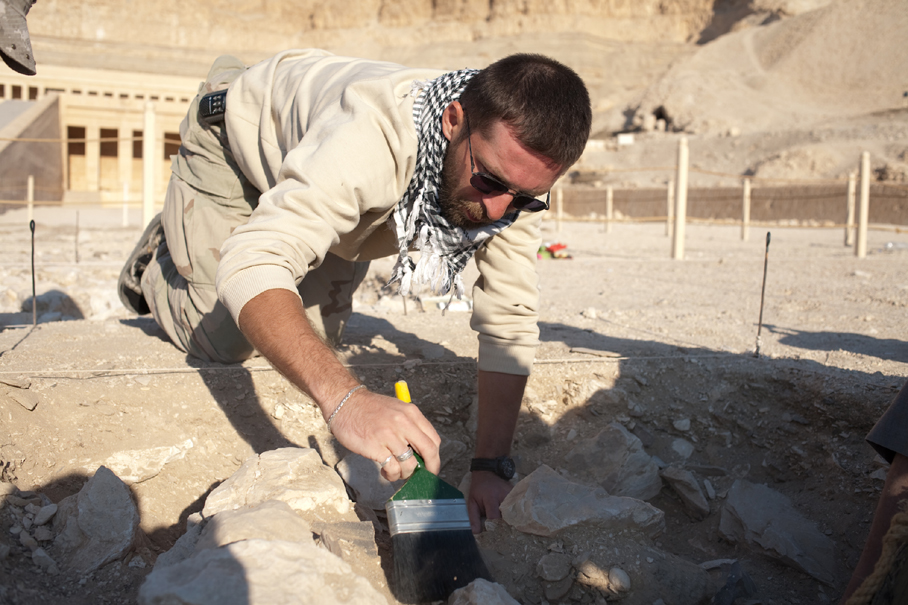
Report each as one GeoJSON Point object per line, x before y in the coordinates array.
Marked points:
{"type": "Point", "coordinates": [444, 248]}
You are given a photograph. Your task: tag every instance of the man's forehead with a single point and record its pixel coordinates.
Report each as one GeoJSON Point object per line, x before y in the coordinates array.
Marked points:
{"type": "Point", "coordinates": [505, 146]}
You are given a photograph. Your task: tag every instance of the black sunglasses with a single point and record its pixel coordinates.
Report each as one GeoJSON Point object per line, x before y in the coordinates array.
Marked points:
{"type": "Point", "coordinates": [486, 183]}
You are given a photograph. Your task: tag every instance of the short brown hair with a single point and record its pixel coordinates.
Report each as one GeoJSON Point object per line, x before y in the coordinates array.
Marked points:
{"type": "Point", "coordinates": [545, 102]}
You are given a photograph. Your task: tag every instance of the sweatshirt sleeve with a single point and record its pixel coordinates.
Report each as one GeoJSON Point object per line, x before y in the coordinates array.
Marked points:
{"type": "Point", "coordinates": [506, 298]}
{"type": "Point", "coordinates": [355, 157]}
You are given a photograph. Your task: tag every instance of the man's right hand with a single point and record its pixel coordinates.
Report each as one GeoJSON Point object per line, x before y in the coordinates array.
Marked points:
{"type": "Point", "coordinates": [371, 425]}
{"type": "Point", "coordinates": [376, 426]}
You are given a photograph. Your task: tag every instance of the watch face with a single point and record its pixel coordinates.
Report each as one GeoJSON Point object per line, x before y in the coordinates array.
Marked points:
{"type": "Point", "coordinates": [506, 467]}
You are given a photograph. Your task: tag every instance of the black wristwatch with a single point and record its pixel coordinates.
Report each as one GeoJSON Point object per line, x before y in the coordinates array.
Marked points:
{"type": "Point", "coordinates": [502, 466]}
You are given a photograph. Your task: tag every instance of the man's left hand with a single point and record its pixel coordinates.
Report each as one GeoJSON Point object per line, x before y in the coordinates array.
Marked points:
{"type": "Point", "coordinates": [487, 490]}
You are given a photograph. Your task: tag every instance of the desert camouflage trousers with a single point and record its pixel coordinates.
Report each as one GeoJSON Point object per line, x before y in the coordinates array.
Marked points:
{"type": "Point", "coordinates": [207, 198]}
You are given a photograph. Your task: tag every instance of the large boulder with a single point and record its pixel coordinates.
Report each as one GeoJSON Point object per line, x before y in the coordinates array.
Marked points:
{"type": "Point", "coordinates": [616, 460]}
{"type": "Point", "coordinates": [766, 521]}
{"type": "Point", "coordinates": [96, 526]}
{"type": "Point", "coordinates": [544, 502]}
{"type": "Point", "coordinates": [296, 476]}
{"type": "Point", "coordinates": [259, 572]}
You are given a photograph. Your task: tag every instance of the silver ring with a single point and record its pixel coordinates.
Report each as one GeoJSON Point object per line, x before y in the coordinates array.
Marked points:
{"type": "Point", "coordinates": [406, 455]}
{"type": "Point", "coordinates": [387, 460]}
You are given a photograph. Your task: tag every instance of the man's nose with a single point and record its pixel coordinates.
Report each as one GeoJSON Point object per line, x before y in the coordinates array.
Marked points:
{"type": "Point", "coordinates": [497, 205]}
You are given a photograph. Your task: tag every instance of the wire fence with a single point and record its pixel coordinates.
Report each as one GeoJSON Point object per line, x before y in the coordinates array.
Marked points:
{"type": "Point", "coordinates": [811, 205]}
{"type": "Point", "coordinates": [824, 203]}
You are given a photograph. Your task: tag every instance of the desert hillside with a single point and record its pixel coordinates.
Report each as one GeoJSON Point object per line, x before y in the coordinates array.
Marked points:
{"type": "Point", "coordinates": [801, 86]}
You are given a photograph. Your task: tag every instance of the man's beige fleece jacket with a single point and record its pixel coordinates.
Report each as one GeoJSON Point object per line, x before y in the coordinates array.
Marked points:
{"type": "Point", "coordinates": [331, 142]}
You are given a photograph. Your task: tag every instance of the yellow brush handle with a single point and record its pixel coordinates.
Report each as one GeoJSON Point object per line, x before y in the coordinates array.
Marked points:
{"type": "Point", "coordinates": [402, 391]}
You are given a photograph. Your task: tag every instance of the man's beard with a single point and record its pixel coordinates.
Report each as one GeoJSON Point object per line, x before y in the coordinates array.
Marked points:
{"type": "Point", "coordinates": [453, 208]}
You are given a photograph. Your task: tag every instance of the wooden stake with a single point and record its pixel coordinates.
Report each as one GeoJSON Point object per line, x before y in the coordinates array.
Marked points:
{"type": "Point", "coordinates": [745, 211]}
{"type": "Point", "coordinates": [860, 249]}
{"type": "Point", "coordinates": [681, 200]}
{"type": "Point", "coordinates": [849, 221]}
{"type": "Point", "coordinates": [609, 209]}
{"type": "Point", "coordinates": [31, 225]}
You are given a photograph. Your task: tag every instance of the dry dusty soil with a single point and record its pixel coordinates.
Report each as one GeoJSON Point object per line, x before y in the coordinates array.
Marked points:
{"type": "Point", "coordinates": [621, 325]}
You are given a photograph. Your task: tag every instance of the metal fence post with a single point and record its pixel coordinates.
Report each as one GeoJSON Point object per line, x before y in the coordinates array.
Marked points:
{"type": "Point", "coordinates": [30, 198]}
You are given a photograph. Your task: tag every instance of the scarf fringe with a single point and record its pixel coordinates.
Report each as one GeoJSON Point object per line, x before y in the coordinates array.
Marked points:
{"type": "Point", "coordinates": [417, 220]}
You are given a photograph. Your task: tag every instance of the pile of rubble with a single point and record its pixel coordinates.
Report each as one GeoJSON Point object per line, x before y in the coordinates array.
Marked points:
{"type": "Point", "coordinates": [288, 528]}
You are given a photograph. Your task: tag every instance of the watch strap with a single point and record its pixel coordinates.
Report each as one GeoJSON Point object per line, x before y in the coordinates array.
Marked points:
{"type": "Point", "coordinates": [503, 466]}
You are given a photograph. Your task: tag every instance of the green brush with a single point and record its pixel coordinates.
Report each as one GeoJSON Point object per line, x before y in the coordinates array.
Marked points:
{"type": "Point", "coordinates": [434, 550]}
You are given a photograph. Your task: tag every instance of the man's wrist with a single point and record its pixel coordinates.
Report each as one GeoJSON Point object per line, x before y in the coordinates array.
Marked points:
{"type": "Point", "coordinates": [503, 466]}
{"type": "Point", "coordinates": [337, 409]}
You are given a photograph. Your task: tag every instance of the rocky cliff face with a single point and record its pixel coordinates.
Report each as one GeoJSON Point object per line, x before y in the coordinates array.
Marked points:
{"type": "Point", "coordinates": [267, 25]}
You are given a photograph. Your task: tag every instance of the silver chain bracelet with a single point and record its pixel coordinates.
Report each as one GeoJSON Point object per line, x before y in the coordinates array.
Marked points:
{"type": "Point", "coordinates": [341, 404]}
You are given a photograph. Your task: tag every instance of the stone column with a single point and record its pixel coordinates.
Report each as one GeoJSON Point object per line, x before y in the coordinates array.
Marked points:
{"type": "Point", "coordinates": [93, 156]}
{"type": "Point", "coordinates": [124, 152]}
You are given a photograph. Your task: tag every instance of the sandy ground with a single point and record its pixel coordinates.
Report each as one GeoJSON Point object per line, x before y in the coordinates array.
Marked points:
{"type": "Point", "coordinates": [675, 337]}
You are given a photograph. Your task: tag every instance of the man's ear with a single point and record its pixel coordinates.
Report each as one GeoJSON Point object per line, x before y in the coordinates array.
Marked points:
{"type": "Point", "coordinates": [452, 120]}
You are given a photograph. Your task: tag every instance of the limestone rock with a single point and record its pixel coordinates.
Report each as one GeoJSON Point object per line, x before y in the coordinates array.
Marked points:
{"type": "Point", "coordinates": [364, 478]}
{"type": "Point", "coordinates": [615, 459]}
{"type": "Point", "coordinates": [22, 382]}
{"type": "Point", "coordinates": [270, 520]}
{"type": "Point", "coordinates": [342, 537]}
{"type": "Point", "coordinates": [685, 485]}
{"type": "Point", "coordinates": [450, 449]}
{"type": "Point", "coordinates": [135, 466]}
{"type": "Point", "coordinates": [681, 450]}
{"type": "Point", "coordinates": [97, 525]}
{"type": "Point", "coordinates": [663, 574]}
{"type": "Point", "coordinates": [481, 592]}
{"type": "Point", "coordinates": [765, 520]}
{"type": "Point", "coordinates": [259, 572]}
{"type": "Point", "coordinates": [737, 585]}
{"type": "Point", "coordinates": [27, 541]}
{"type": "Point", "coordinates": [185, 545]}
{"type": "Point", "coordinates": [656, 573]}
{"type": "Point", "coordinates": [26, 399]}
{"type": "Point", "coordinates": [590, 574]}
{"type": "Point", "coordinates": [296, 476]}
{"type": "Point", "coordinates": [553, 567]}
{"type": "Point", "coordinates": [545, 502]}
{"type": "Point", "coordinates": [619, 581]}
{"type": "Point", "coordinates": [44, 561]}
{"type": "Point", "coordinates": [555, 591]}
{"type": "Point", "coordinates": [682, 424]}
{"type": "Point", "coordinates": [45, 514]}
